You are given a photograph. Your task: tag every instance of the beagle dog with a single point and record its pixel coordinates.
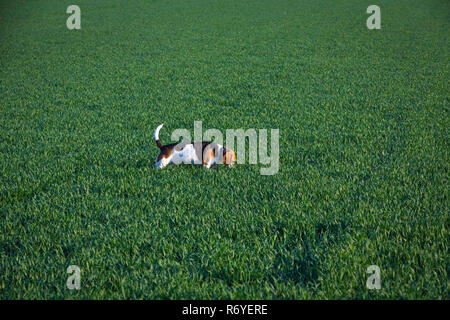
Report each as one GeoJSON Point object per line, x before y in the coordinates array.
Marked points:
{"type": "Point", "coordinates": [207, 153]}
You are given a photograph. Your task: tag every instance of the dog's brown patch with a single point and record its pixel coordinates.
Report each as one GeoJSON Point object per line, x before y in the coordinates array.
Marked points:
{"type": "Point", "coordinates": [166, 152]}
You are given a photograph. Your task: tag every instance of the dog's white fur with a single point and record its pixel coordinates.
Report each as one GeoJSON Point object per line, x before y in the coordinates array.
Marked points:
{"type": "Point", "coordinates": [188, 156]}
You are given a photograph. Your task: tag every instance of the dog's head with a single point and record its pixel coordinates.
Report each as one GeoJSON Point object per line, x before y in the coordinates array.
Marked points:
{"type": "Point", "coordinates": [229, 158]}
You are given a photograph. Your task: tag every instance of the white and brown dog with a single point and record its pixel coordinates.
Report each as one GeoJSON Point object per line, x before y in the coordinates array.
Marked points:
{"type": "Point", "coordinates": [207, 153]}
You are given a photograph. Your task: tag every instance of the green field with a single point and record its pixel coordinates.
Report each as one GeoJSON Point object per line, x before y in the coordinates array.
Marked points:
{"type": "Point", "coordinates": [364, 156]}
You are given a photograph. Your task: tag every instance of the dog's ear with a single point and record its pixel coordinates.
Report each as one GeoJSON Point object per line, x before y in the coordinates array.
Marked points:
{"type": "Point", "coordinates": [228, 156]}
{"type": "Point", "coordinates": [208, 155]}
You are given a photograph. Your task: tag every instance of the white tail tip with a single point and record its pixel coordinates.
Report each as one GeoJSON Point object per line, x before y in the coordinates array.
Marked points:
{"type": "Point", "coordinates": [156, 134]}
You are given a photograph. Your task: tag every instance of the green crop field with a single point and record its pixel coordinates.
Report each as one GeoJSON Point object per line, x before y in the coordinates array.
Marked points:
{"type": "Point", "coordinates": [363, 117]}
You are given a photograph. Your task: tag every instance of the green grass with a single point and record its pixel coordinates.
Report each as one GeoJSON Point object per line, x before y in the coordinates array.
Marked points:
{"type": "Point", "coordinates": [363, 179]}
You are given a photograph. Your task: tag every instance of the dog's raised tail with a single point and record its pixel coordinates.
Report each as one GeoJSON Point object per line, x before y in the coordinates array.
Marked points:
{"type": "Point", "coordinates": [156, 136]}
